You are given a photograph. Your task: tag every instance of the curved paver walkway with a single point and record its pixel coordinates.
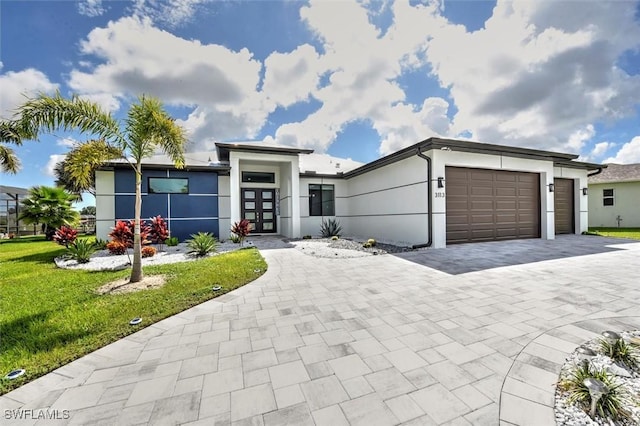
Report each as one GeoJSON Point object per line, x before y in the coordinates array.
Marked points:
{"type": "Point", "coordinates": [369, 341]}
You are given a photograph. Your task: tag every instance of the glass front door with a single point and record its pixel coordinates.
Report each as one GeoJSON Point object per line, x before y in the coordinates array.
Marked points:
{"type": "Point", "coordinates": [259, 208]}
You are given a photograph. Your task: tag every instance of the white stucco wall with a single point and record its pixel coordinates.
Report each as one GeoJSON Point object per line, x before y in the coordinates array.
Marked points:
{"type": "Point", "coordinates": [626, 203]}
{"type": "Point", "coordinates": [224, 207]}
{"type": "Point", "coordinates": [390, 203]}
{"type": "Point", "coordinates": [105, 203]}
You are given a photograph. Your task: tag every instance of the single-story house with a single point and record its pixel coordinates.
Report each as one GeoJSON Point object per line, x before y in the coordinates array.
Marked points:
{"type": "Point", "coordinates": [614, 197]}
{"type": "Point", "coordinates": [433, 193]}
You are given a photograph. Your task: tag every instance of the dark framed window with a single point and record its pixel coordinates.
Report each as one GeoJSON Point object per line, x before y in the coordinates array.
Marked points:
{"type": "Point", "coordinates": [158, 185]}
{"type": "Point", "coordinates": [321, 200]}
{"type": "Point", "coordinates": [607, 197]}
{"type": "Point", "coordinates": [259, 177]}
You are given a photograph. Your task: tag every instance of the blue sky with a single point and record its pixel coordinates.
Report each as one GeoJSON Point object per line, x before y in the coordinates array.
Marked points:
{"type": "Point", "coordinates": [353, 79]}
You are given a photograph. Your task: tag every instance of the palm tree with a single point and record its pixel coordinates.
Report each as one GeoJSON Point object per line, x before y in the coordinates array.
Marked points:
{"type": "Point", "coordinates": [146, 128]}
{"type": "Point", "coordinates": [10, 133]}
{"type": "Point", "coordinates": [78, 155]}
{"type": "Point", "coordinates": [50, 207]}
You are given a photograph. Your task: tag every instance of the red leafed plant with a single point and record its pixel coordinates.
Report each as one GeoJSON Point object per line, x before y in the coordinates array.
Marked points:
{"type": "Point", "coordinates": [148, 251]}
{"type": "Point", "coordinates": [123, 233]}
{"type": "Point", "coordinates": [158, 231]}
{"type": "Point", "coordinates": [65, 236]}
{"type": "Point", "coordinates": [116, 247]}
{"type": "Point", "coordinates": [241, 229]}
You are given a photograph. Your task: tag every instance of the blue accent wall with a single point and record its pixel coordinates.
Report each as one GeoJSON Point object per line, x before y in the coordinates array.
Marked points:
{"type": "Point", "coordinates": [199, 207]}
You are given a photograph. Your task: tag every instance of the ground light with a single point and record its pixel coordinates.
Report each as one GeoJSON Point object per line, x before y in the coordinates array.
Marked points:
{"type": "Point", "coordinates": [216, 288]}
{"type": "Point", "coordinates": [585, 355]}
{"type": "Point", "coordinates": [597, 390]}
{"type": "Point", "coordinates": [15, 374]}
{"type": "Point", "coordinates": [135, 321]}
{"type": "Point", "coordinates": [611, 336]}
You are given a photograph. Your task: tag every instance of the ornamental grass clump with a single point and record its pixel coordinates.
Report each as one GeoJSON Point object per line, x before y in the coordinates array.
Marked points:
{"type": "Point", "coordinates": [621, 352]}
{"type": "Point", "coordinates": [201, 244]}
{"type": "Point", "coordinates": [610, 405]}
{"type": "Point", "coordinates": [80, 251]}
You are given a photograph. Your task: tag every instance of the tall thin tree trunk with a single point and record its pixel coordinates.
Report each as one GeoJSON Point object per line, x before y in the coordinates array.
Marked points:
{"type": "Point", "coordinates": [136, 268]}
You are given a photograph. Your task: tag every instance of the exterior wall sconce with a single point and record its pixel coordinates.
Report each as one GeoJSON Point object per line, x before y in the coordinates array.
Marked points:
{"type": "Point", "coordinates": [551, 187]}
{"type": "Point", "coordinates": [440, 182]}
{"type": "Point", "coordinates": [585, 191]}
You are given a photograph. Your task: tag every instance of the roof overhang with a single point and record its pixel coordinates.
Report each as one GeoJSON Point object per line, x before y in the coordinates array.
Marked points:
{"type": "Point", "coordinates": [147, 166]}
{"type": "Point", "coordinates": [224, 148]}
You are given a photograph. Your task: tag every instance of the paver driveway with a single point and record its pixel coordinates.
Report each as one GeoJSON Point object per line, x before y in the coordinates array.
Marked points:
{"type": "Point", "coordinates": [369, 341]}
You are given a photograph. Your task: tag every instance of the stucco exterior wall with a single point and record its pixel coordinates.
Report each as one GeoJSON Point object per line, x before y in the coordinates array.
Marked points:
{"type": "Point", "coordinates": [105, 203]}
{"type": "Point", "coordinates": [626, 203]}
{"type": "Point", "coordinates": [390, 203]}
{"type": "Point", "coordinates": [224, 207]}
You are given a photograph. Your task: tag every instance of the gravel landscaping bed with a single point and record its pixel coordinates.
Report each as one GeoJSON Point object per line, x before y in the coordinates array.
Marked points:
{"type": "Point", "coordinates": [628, 378]}
{"type": "Point", "coordinates": [342, 248]}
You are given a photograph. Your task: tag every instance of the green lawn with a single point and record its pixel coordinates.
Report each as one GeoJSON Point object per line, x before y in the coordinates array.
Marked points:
{"type": "Point", "coordinates": [632, 233]}
{"type": "Point", "coordinates": [51, 316]}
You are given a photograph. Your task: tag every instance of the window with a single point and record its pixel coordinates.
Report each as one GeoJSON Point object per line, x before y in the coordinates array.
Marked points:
{"type": "Point", "coordinates": [259, 177]}
{"type": "Point", "coordinates": [607, 197]}
{"type": "Point", "coordinates": [168, 185]}
{"type": "Point", "coordinates": [321, 200]}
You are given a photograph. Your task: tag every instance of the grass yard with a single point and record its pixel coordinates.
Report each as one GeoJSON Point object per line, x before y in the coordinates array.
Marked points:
{"type": "Point", "coordinates": [631, 233]}
{"type": "Point", "coordinates": [51, 316]}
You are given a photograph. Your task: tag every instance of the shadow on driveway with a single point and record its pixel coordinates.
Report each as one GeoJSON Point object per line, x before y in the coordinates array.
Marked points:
{"type": "Point", "coordinates": [471, 257]}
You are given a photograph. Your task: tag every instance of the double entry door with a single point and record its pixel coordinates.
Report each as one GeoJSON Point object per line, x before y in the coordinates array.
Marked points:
{"type": "Point", "coordinates": [259, 208]}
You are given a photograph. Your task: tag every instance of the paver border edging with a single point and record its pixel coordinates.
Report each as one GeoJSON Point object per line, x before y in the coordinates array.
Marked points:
{"type": "Point", "coordinates": [526, 396]}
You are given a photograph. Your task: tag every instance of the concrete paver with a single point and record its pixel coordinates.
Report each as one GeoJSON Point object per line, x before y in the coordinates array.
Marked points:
{"type": "Point", "coordinates": [372, 340]}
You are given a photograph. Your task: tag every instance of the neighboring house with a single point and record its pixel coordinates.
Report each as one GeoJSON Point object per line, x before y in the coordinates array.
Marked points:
{"type": "Point", "coordinates": [613, 194]}
{"type": "Point", "coordinates": [436, 192]}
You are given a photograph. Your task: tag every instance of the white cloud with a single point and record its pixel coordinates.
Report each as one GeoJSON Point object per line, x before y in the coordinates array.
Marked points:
{"type": "Point", "coordinates": [51, 164]}
{"type": "Point", "coordinates": [90, 8]}
{"type": "Point", "coordinates": [173, 13]}
{"type": "Point", "coordinates": [219, 83]}
{"type": "Point", "coordinates": [16, 86]}
{"type": "Point", "coordinates": [628, 154]}
{"type": "Point", "coordinates": [539, 73]}
{"type": "Point", "coordinates": [67, 142]}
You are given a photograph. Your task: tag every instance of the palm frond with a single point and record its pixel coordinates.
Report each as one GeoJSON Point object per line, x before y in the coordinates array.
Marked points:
{"type": "Point", "coordinates": [77, 172]}
{"type": "Point", "coordinates": [12, 132]}
{"type": "Point", "coordinates": [9, 161]}
{"type": "Point", "coordinates": [50, 113]}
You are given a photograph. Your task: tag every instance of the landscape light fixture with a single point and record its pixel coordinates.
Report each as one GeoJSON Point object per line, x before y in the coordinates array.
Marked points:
{"type": "Point", "coordinates": [585, 191]}
{"type": "Point", "coordinates": [551, 187]}
{"type": "Point", "coordinates": [15, 374]}
{"type": "Point", "coordinates": [611, 336]}
{"type": "Point", "coordinates": [584, 354]}
{"type": "Point", "coordinates": [597, 390]}
{"type": "Point", "coordinates": [440, 182]}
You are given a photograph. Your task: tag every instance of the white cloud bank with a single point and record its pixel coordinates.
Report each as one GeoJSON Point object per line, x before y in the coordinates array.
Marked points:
{"type": "Point", "coordinates": [629, 153]}
{"type": "Point", "coordinates": [539, 74]}
{"type": "Point", "coordinates": [16, 86]}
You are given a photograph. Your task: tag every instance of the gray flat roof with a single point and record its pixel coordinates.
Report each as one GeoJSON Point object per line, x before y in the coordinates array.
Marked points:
{"type": "Point", "coordinates": [225, 147]}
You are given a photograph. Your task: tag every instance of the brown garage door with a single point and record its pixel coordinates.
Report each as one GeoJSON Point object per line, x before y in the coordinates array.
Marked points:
{"type": "Point", "coordinates": [487, 205]}
{"type": "Point", "coordinates": [563, 200]}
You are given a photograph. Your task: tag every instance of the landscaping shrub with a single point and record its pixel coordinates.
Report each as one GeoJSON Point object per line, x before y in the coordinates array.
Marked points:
{"type": "Point", "coordinates": [123, 233]}
{"type": "Point", "coordinates": [116, 247]}
{"type": "Point", "coordinates": [369, 243]}
{"type": "Point", "coordinates": [202, 243]}
{"type": "Point", "coordinates": [65, 236]}
{"type": "Point", "coordinates": [172, 241]}
{"type": "Point", "coordinates": [241, 229]}
{"type": "Point", "coordinates": [609, 405]}
{"type": "Point", "coordinates": [158, 231]}
{"type": "Point", "coordinates": [148, 251]}
{"type": "Point", "coordinates": [235, 239]}
{"type": "Point", "coordinates": [80, 251]}
{"type": "Point", "coordinates": [621, 352]}
{"type": "Point", "coordinates": [100, 244]}
{"type": "Point", "coordinates": [335, 238]}
{"type": "Point", "coordinates": [330, 228]}
{"type": "Point", "coordinates": [307, 237]}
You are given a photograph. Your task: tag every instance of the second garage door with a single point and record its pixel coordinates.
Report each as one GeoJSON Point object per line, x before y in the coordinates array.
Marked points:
{"type": "Point", "coordinates": [488, 205]}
